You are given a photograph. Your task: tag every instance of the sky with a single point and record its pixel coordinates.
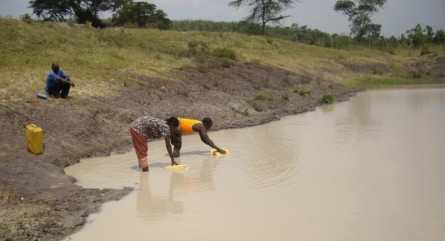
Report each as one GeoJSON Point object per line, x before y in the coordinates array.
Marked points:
{"type": "Point", "coordinates": [396, 17]}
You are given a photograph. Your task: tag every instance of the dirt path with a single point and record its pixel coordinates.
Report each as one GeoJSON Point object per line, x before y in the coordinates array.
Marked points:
{"type": "Point", "coordinates": [39, 202]}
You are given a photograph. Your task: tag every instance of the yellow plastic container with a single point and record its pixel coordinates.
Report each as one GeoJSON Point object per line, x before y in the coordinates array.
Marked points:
{"type": "Point", "coordinates": [216, 153]}
{"type": "Point", "coordinates": [34, 139]}
{"type": "Point", "coordinates": [180, 167]}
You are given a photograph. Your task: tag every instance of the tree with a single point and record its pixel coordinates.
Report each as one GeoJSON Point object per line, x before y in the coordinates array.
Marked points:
{"type": "Point", "coordinates": [404, 40]}
{"type": "Point", "coordinates": [439, 37]}
{"type": "Point", "coordinates": [142, 14]}
{"type": "Point", "coordinates": [429, 33]}
{"type": "Point", "coordinates": [415, 34]}
{"type": "Point", "coordinates": [373, 32]}
{"type": "Point", "coordinates": [82, 10]}
{"type": "Point", "coordinates": [393, 42]}
{"type": "Point", "coordinates": [360, 17]}
{"type": "Point", "coordinates": [265, 11]}
{"type": "Point", "coordinates": [54, 10]}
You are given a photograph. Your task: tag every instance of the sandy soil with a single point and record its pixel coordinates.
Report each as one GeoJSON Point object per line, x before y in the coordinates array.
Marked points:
{"type": "Point", "coordinates": [39, 202]}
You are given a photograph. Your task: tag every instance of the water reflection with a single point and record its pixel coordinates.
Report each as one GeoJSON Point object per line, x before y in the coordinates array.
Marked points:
{"type": "Point", "coordinates": [359, 120]}
{"type": "Point", "coordinates": [154, 203]}
{"type": "Point", "coordinates": [366, 169]}
{"type": "Point", "coordinates": [151, 206]}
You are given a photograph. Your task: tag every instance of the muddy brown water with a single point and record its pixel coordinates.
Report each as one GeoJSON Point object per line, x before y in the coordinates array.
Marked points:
{"type": "Point", "coordinates": [371, 168]}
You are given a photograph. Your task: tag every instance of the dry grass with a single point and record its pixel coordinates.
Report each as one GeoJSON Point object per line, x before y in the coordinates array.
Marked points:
{"type": "Point", "coordinates": [99, 61]}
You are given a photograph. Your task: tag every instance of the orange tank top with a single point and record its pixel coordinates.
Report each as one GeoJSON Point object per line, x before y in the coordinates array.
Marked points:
{"type": "Point", "coordinates": [186, 125]}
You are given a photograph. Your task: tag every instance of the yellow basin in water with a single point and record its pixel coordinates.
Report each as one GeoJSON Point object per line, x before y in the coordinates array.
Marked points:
{"type": "Point", "coordinates": [216, 153]}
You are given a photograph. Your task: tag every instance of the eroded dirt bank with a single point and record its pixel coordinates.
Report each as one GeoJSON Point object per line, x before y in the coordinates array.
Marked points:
{"type": "Point", "coordinates": [39, 202]}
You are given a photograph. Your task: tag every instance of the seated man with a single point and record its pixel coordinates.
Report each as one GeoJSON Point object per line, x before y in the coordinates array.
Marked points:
{"type": "Point", "coordinates": [58, 83]}
{"type": "Point", "coordinates": [191, 126]}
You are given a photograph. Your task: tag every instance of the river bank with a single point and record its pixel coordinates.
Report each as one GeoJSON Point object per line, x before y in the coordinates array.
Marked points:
{"type": "Point", "coordinates": [39, 202]}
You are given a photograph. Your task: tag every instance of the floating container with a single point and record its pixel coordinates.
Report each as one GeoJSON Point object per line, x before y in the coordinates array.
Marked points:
{"type": "Point", "coordinates": [34, 139]}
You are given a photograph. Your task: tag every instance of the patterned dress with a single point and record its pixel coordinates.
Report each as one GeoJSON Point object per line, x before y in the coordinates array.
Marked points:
{"type": "Point", "coordinates": [150, 127]}
{"type": "Point", "coordinates": [143, 129]}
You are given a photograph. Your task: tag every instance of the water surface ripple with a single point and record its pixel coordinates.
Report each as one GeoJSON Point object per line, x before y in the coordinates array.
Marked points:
{"type": "Point", "coordinates": [367, 169]}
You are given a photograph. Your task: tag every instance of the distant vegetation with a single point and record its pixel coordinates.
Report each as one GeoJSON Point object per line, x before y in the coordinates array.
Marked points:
{"type": "Point", "coordinates": [137, 14]}
{"type": "Point", "coordinates": [416, 37]}
{"type": "Point", "coordinates": [264, 12]}
{"type": "Point", "coordinates": [264, 19]}
{"type": "Point", "coordinates": [359, 14]}
{"type": "Point", "coordinates": [101, 60]}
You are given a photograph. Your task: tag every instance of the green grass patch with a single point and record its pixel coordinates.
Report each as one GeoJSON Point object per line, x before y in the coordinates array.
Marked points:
{"type": "Point", "coordinates": [225, 53]}
{"type": "Point", "coordinates": [262, 96]}
{"type": "Point", "coordinates": [302, 91]}
{"type": "Point", "coordinates": [327, 98]}
{"type": "Point", "coordinates": [257, 107]}
{"type": "Point", "coordinates": [377, 82]}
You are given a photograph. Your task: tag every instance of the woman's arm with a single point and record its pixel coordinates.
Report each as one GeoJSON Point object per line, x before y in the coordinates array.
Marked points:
{"type": "Point", "coordinates": [169, 149]}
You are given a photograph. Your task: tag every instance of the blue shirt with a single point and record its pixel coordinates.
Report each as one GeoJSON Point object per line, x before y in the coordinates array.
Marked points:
{"type": "Point", "coordinates": [52, 76]}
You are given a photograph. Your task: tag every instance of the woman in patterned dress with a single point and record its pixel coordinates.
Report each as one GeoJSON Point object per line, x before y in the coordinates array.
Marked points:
{"type": "Point", "coordinates": [149, 128]}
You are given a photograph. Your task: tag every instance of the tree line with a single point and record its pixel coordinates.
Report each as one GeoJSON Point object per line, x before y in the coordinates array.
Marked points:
{"type": "Point", "coordinates": [264, 18]}
{"type": "Point", "coordinates": [124, 12]}
{"type": "Point", "coordinates": [415, 37]}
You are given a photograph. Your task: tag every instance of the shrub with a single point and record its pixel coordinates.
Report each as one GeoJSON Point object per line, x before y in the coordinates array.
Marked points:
{"type": "Point", "coordinates": [257, 106]}
{"type": "Point", "coordinates": [327, 98]}
{"type": "Point", "coordinates": [425, 50]}
{"type": "Point", "coordinates": [302, 91]}
{"type": "Point", "coordinates": [26, 18]}
{"type": "Point", "coordinates": [224, 53]}
{"type": "Point", "coordinates": [262, 96]}
{"type": "Point", "coordinates": [285, 96]}
{"type": "Point", "coordinates": [196, 45]}
{"type": "Point", "coordinates": [415, 74]}
{"type": "Point", "coordinates": [390, 51]}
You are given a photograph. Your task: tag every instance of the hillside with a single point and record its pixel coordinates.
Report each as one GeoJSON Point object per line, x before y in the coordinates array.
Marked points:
{"type": "Point", "coordinates": [122, 74]}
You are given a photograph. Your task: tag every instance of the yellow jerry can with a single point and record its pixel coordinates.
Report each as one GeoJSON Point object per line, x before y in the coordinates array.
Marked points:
{"type": "Point", "coordinates": [34, 139]}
